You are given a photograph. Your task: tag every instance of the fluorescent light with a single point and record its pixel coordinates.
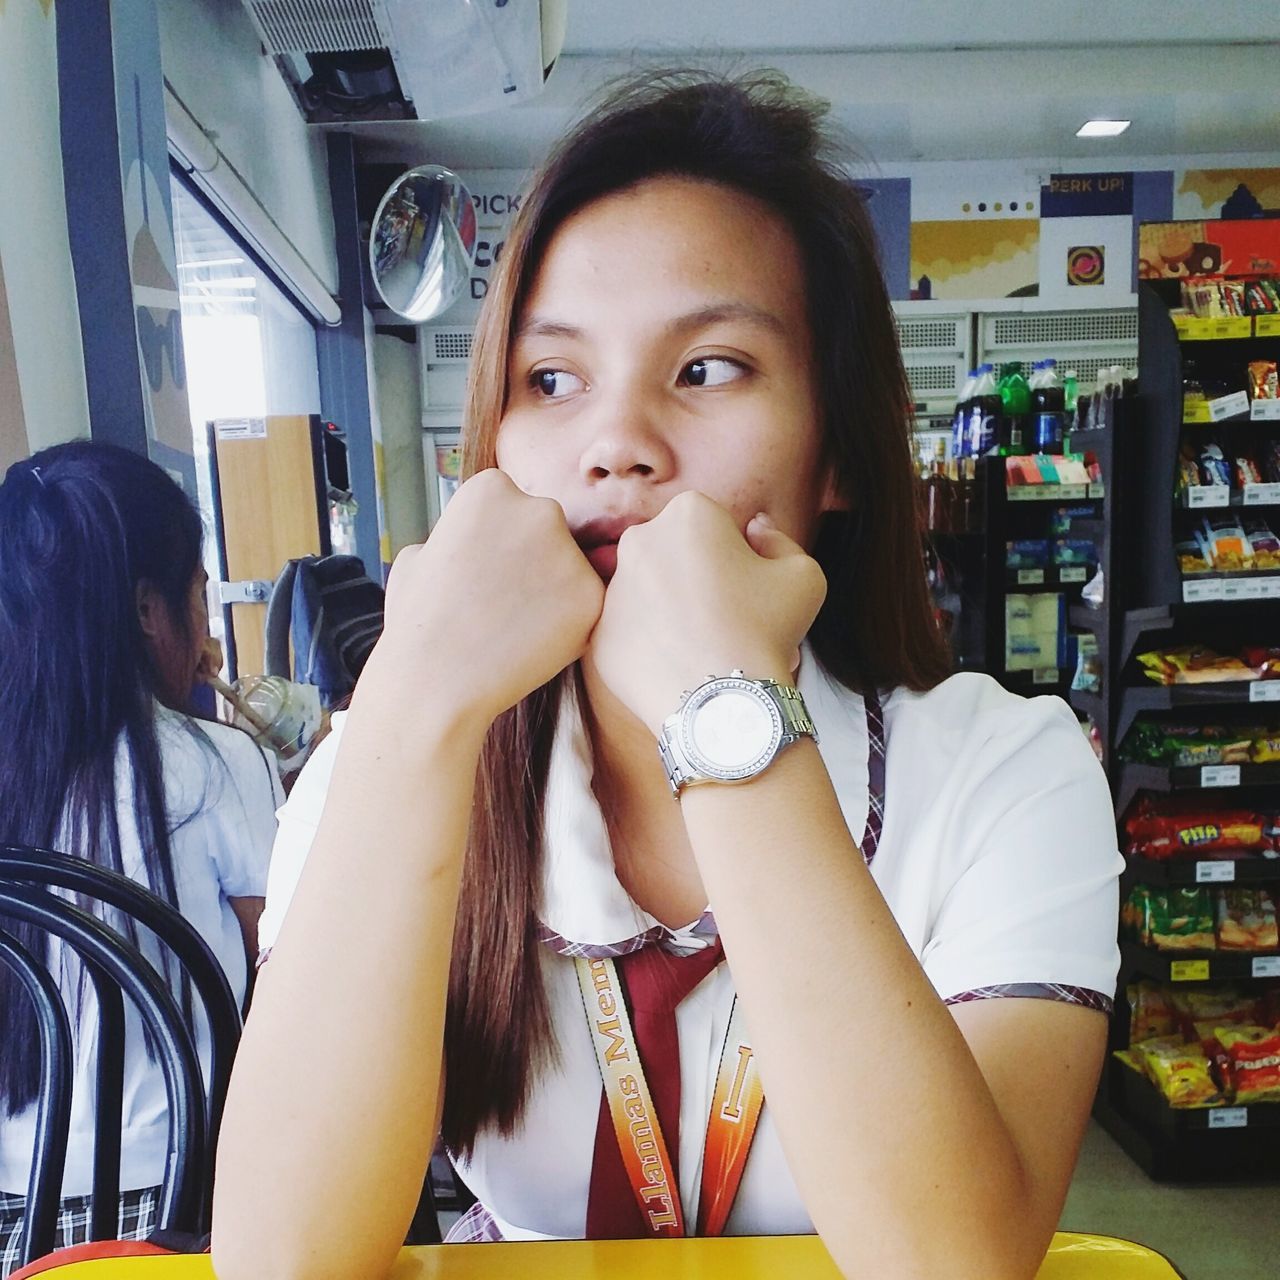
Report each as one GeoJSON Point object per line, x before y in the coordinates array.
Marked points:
{"type": "Point", "coordinates": [1102, 128]}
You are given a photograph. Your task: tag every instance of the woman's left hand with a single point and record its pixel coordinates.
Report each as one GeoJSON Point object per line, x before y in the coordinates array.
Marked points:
{"type": "Point", "coordinates": [210, 662]}
{"type": "Point", "coordinates": [693, 597]}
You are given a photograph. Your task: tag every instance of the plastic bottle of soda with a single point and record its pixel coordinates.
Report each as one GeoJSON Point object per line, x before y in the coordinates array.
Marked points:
{"type": "Point", "coordinates": [984, 412]}
{"type": "Point", "coordinates": [960, 421]}
{"type": "Point", "coordinates": [1047, 402]}
{"type": "Point", "coordinates": [1015, 398]}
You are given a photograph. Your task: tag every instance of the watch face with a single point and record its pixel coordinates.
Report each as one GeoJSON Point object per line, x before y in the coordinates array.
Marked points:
{"type": "Point", "coordinates": [730, 729]}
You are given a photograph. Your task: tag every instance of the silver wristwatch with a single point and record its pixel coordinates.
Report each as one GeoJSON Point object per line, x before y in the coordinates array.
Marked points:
{"type": "Point", "coordinates": [730, 728]}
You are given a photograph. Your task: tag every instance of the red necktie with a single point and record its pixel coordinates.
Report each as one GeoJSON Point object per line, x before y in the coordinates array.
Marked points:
{"type": "Point", "coordinates": [655, 982]}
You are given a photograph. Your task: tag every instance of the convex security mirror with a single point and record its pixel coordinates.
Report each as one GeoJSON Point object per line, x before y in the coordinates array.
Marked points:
{"type": "Point", "coordinates": [423, 242]}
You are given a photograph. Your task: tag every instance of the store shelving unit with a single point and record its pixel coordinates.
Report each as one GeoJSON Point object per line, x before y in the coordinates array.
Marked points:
{"type": "Point", "coordinates": [1154, 605]}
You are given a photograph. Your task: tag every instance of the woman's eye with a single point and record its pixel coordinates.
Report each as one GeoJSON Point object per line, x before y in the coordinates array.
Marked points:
{"type": "Point", "coordinates": [711, 372]}
{"type": "Point", "coordinates": [555, 384]}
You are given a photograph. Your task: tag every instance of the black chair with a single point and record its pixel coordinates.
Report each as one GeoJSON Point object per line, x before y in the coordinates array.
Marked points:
{"type": "Point", "coordinates": [59, 870]}
{"type": "Point", "coordinates": [115, 966]}
{"type": "Point", "coordinates": [53, 1112]}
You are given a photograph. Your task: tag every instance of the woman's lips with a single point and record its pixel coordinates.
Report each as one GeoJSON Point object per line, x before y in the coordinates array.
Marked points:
{"type": "Point", "coordinates": [604, 559]}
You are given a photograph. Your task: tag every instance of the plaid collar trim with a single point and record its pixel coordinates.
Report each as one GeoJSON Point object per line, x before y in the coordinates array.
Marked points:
{"type": "Point", "coordinates": [584, 909]}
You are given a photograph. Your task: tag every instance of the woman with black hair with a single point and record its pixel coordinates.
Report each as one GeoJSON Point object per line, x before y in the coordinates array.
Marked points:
{"type": "Point", "coordinates": [103, 635]}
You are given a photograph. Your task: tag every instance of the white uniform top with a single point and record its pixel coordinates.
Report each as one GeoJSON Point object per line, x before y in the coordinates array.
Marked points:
{"type": "Point", "coordinates": [221, 796]}
{"type": "Point", "coordinates": [998, 860]}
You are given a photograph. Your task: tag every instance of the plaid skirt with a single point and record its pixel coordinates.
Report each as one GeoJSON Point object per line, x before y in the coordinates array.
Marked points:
{"type": "Point", "coordinates": [136, 1221]}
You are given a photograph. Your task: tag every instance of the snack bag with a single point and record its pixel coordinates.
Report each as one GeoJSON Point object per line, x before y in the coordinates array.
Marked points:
{"type": "Point", "coordinates": [1253, 1056]}
{"type": "Point", "coordinates": [1264, 660]}
{"type": "Point", "coordinates": [1182, 919]}
{"type": "Point", "coordinates": [1181, 1072]}
{"type": "Point", "coordinates": [1264, 546]}
{"type": "Point", "coordinates": [1247, 471]}
{"type": "Point", "coordinates": [1228, 547]}
{"type": "Point", "coordinates": [1192, 557]}
{"type": "Point", "coordinates": [1214, 467]}
{"type": "Point", "coordinates": [1247, 920]}
{"type": "Point", "coordinates": [1262, 380]}
{"type": "Point", "coordinates": [1266, 750]}
{"type": "Point", "coordinates": [1151, 1014]}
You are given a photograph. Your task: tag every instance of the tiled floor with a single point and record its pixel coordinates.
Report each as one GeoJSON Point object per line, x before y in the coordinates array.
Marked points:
{"type": "Point", "coordinates": [1209, 1233]}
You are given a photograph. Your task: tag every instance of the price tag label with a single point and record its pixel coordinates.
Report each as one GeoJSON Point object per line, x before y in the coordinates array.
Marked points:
{"type": "Point", "coordinates": [1188, 970]}
{"type": "Point", "coordinates": [1242, 589]}
{"type": "Point", "coordinates": [1199, 591]}
{"type": "Point", "coordinates": [1220, 775]}
{"type": "Point", "coordinates": [1262, 495]}
{"type": "Point", "coordinates": [1076, 573]}
{"type": "Point", "coordinates": [1215, 872]}
{"type": "Point", "coordinates": [1231, 406]}
{"type": "Point", "coordinates": [1269, 588]}
{"type": "Point", "coordinates": [1045, 675]}
{"type": "Point", "coordinates": [1266, 967]}
{"type": "Point", "coordinates": [1099, 490]}
{"type": "Point", "coordinates": [1228, 1117]}
{"type": "Point", "coordinates": [1030, 577]}
{"type": "Point", "coordinates": [1264, 691]}
{"type": "Point", "coordinates": [1265, 410]}
{"type": "Point", "coordinates": [1266, 326]}
{"type": "Point", "coordinates": [1208, 495]}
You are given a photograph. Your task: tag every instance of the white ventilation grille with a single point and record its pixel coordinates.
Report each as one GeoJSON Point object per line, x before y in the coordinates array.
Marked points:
{"type": "Point", "coordinates": [448, 346]}
{"type": "Point", "coordinates": [319, 26]}
{"type": "Point", "coordinates": [945, 333]}
{"type": "Point", "coordinates": [932, 381]}
{"type": "Point", "coordinates": [1060, 329]}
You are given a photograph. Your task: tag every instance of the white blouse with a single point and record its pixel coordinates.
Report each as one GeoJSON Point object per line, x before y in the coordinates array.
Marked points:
{"type": "Point", "coordinates": [997, 859]}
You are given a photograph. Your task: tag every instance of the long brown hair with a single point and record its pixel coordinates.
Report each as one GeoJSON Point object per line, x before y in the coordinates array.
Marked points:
{"type": "Point", "coordinates": [760, 136]}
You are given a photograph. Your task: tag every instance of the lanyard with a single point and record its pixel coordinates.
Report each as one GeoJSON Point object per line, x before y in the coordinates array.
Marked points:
{"type": "Point", "coordinates": [731, 1125]}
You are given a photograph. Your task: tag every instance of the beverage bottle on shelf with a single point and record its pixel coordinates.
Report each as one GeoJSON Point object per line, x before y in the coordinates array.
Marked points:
{"type": "Point", "coordinates": [960, 422]}
{"type": "Point", "coordinates": [938, 490]}
{"type": "Point", "coordinates": [1070, 394]}
{"type": "Point", "coordinates": [1047, 400]}
{"type": "Point", "coordinates": [1015, 400]}
{"type": "Point", "coordinates": [984, 412]}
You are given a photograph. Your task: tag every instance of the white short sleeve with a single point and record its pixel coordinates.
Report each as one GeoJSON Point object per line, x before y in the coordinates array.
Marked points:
{"type": "Point", "coordinates": [298, 820]}
{"type": "Point", "coordinates": [248, 818]}
{"type": "Point", "coordinates": [1035, 900]}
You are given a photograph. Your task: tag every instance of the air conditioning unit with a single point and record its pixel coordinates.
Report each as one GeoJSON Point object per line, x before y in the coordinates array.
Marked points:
{"type": "Point", "coordinates": [410, 59]}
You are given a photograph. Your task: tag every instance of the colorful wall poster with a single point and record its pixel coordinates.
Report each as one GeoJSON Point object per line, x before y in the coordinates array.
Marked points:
{"type": "Point", "coordinates": [979, 258]}
{"type": "Point", "coordinates": [1227, 194]}
{"type": "Point", "coordinates": [1175, 250]}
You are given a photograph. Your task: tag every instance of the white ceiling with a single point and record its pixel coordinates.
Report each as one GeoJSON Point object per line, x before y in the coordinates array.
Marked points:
{"type": "Point", "coordinates": [925, 80]}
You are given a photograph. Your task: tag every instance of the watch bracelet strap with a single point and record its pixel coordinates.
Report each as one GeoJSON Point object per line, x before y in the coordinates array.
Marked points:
{"type": "Point", "coordinates": [796, 722]}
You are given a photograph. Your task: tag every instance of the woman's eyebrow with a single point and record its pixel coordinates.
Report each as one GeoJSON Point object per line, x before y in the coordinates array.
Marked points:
{"type": "Point", "coordinates": [700, 318]}
{"type": "Point", "coordinates": [718, 312]}
{"type": "Point", "coordinates": [540, 327]}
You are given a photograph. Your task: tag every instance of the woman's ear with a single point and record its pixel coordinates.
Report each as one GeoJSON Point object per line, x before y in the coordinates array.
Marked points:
{"type": "Point", "coordinates": [151, 609]}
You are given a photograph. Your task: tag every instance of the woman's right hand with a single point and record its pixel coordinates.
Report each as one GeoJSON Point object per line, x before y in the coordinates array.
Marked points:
{"type": "Point", "coordinates": [497, 601]}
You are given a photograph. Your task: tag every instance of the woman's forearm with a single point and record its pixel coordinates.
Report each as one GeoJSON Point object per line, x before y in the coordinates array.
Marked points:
{"type": "Point", "coordinates": [332, 1109]}
{"type": "Point", "coordinates": [894, 1140]}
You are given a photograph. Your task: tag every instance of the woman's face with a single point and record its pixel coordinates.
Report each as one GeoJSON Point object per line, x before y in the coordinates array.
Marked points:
{"type": "Point", "coordinates": [665, 347]}
{"type": "Point", "coordinates": [174, 644]}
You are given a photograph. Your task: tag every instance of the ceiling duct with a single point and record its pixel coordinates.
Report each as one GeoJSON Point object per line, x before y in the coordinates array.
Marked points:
{"type": "Point", "coordinates": [410, 59]}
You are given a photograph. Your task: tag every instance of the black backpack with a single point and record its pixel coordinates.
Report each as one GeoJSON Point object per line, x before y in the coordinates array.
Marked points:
{"type": "Point", "coordinates": [333, 611]}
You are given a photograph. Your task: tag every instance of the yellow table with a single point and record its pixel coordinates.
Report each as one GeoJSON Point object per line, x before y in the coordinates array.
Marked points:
{"type": "Point", "coordinates": [1071, 1257]}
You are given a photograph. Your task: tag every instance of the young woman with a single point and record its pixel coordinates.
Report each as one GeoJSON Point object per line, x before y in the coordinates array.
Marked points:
{"type": "Point", "coordinates": [103, 629]}
{"type": "Point", "coordinates": [687, 442]}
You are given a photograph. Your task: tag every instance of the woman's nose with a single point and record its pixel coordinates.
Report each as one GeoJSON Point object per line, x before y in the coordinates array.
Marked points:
{"type": "Point", "coordinates": [628, 440]}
